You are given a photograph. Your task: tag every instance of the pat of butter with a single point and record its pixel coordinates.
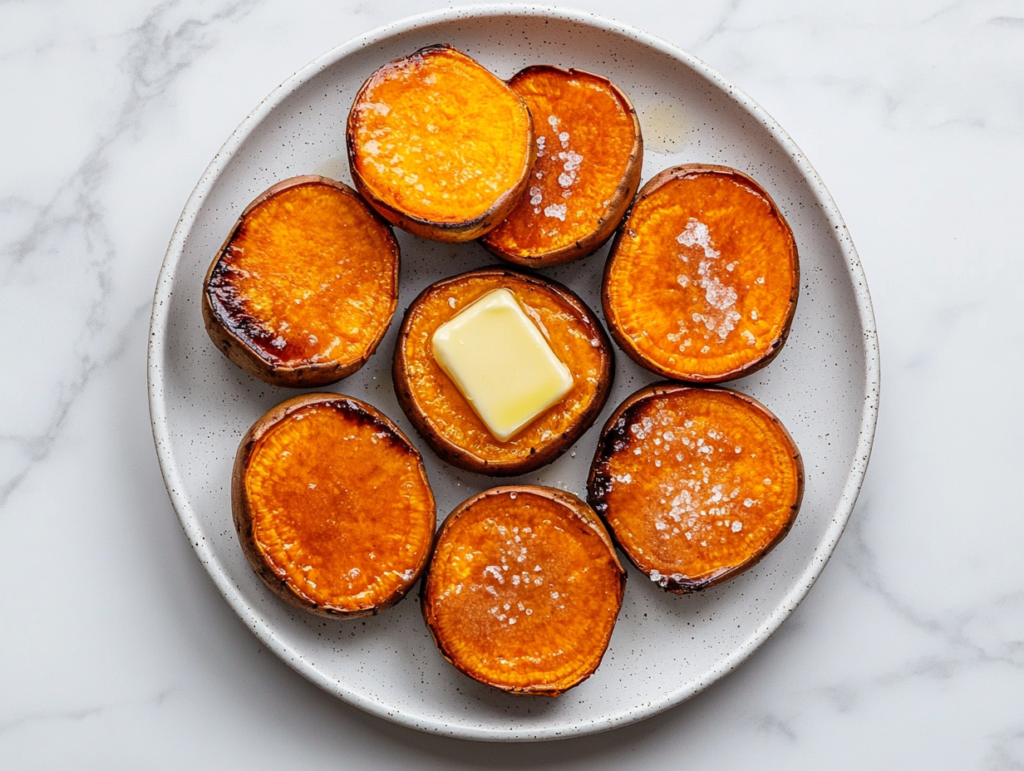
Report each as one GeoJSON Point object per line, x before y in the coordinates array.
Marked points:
{"type": "Point", "coordinates": [501, 363]}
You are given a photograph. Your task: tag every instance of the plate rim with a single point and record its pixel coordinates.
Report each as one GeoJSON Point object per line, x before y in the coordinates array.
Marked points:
{"type": "Point", "coordinates": [159, 329]}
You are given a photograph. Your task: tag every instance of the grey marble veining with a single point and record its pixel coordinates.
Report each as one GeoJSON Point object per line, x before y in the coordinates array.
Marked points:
{"type": "Point", "coordinates": [117, 652]}
{"type": "Point", "coordinates": [69, 241]}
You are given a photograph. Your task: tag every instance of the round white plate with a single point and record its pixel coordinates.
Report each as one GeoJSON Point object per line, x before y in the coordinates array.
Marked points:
{"type": "Point", "coordinates": [665, 648]}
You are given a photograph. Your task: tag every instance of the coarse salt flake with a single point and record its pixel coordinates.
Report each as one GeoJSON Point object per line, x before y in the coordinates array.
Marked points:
{"type": "Point", "coordinates": [556, 211]}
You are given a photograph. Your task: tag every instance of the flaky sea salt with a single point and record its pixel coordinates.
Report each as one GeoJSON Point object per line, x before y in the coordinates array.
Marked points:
{"type": "Point", "coordinates": [721, 298]}
{"type": "Point", "coordinates": [556, 211]}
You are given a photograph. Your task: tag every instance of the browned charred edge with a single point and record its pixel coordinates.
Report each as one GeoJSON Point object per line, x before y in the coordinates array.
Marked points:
{"type": "Point", "coordinates": [539, 456]}
{"type": "Point", "coordinates": [359, 412]}
{"type": "Point", "coordinates": [615, 438]}
{"type": "Point", "coordinates": [225, 331]}
{"type": "Point", "coordinates": [627, 345]}
{"type": "Point", "coordinates": [620, 200]}
{"type": "Point", "coordinates": [577, 507]}
{"type": "Point", "coordinates": [447, 232]}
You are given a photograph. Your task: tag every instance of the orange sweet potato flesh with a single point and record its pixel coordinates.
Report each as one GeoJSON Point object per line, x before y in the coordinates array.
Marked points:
{"type": "Point", "coordinates": [332, 505]}
{"type": "Point", "coordinates": [523, 590]}
{"type": "Point", "coordinates": [696, 484]}
{"type": "Point", "coordinates": [305, 286]}
{"type": "Point", "coordinates": [446, 420]}
{"type": "Point", "coordinates": [440, 146]}
{"type": "Point", "coordinates": [589, 157]}
{"type": "Point", "coordinates": [702, 280]}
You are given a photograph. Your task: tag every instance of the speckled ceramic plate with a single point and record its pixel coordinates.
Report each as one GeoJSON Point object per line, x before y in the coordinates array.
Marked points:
{"type": "Point", "coordinates": [824, 385]}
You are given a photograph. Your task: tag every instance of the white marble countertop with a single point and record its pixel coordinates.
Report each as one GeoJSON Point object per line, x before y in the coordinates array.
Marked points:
{"type": "Point", "coordinates": [116, 651]}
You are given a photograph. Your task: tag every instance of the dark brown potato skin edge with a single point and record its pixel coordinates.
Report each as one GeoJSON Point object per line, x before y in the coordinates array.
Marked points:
{"type": "Point", "coordinates": [595, 496]}
{"type": "Point", "coordinates": [447, 232]}
{"type": "Point", "coordinates": [242, 513]}
{"type": "Point", "coordinates": [232, 346]}
{"type": "Point", "coordinates": [668, 175]}
{"type": "Point", "coordinates": [455, 455]}
{"type": "Point", "coordinates": [620, 201]}
{"type": "Point", "coordinates": [581, 510]}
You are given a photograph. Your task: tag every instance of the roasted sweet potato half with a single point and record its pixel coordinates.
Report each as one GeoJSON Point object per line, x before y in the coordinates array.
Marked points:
{"type": "Point", "coordinates": [696, 484]}
{"type": "Point", "coordinates": [523, 590]}
{"type": "Point", "coordinates": [589, 154]}
{"type": "Point", "coordinates": [444, 417]}
{"type": "Point", "coordinates": [305, 286]}
{"type": "Point", "coordinates": [702, 280]}
{"type": "Point", "coordinates": [440, 146]}
{"type": "Point", "coordinates": [332, 506]}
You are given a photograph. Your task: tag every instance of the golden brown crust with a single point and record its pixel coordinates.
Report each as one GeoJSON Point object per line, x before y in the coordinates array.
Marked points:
{"type": "Point", "coordinates": [451, 224]}
{"type": "Point", "coordinates": [243, 334]}
{"type": "Point", "coordinates": [441, 414]}
{"type": "Point", "coordinates": [754, 235]}
{"type": "Point", "coordinates": [532, 608]}
{"type": "Point", "coordinates": [598, 200]}
{"type": "Point", "coordinates": [280, 578]}
{"type": "Point", "coordinates": [716, 488]}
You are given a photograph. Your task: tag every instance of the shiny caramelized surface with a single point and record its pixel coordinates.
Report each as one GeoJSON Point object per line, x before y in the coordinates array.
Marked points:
{"type": "Point", "coordinates": [523, 592]}
{"type": "Point", "coordinates": [701, 279]}
{"type": "Point", "coordinates": [584, 134]}
{"type": "Point", "coordinates": [695, 483]}
{"type": "Point", "coordinates": [575, 342]}
{"type": "Point", "coordinates": [309, 277]}
{"type": "Point", "coordinates": [437, 136]}
{"type": "Point", "coordinates": [340, 506]}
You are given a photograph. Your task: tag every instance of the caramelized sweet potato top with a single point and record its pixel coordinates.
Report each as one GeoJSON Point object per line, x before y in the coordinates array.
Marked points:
{"type": "Point", "coordinates": [333, 501]}
{"type": "Point", "coordinates": [307, 280]}
{"type": "Point", "coordinates": [441, 413]}
{"type": "Point", "coordinates": [589, 155]}
{"type": "Point", "coordinates": [702, 281]}
{"type": "Point", "coordinates": [523, 589]}
{"type": "Point", "coordinates": [696, 484]}
{"type": "Point", "coordinates": [438, 138]}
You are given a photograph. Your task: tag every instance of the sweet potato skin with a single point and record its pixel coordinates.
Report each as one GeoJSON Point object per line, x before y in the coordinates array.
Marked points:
{"type": "Point", "coordinates": [456, 229]}
{"type": "Point", "coordinates": [242, 513]}
{"type": "Point", "coordinates": [225, 334]}
{"type": "Point", "coordinates": [588, 521]}
{"type": "Point", "coordinates": [516, 461]}
{"type": "Point", "coordinates": [618, 201]}
{"type": "Point", "coordinates": [630, 345]}
{"type": "Point", "coordinates": [619, 436]}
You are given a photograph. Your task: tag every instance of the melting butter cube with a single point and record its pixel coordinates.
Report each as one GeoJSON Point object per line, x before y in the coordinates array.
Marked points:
{"type": "Point", "coordinates": [501, 363]}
